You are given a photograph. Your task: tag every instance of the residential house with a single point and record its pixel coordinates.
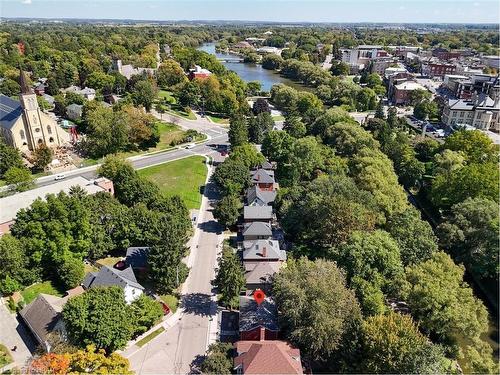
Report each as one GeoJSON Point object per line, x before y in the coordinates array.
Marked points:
{"type": "Point", "coordinates": [481, 112]}
{"type": "Point", "coordinates": [128, 70]}
{"type": "Point", "coordinates": [43, 316]}
{"type": "Point", "coordinates": [258, 213]}
{"type": "Point", "coordinates": [267, 357]}
{"type": "Point", "coordinates": [263, 178]}
{"type": "Point", "coordinates": [258, 275]}
{"type": "Point", "coordinates": [86, 92]}
{"type": "Point", "coordinates": [199, 73]}
{"type": "Point", "coordinates": [40, 89]}
{"type": "Point", "coordinates": [12, 204]}
{"type": "Point", "coordinates": [263, 250]}
{"type": "Point", "coordinates": [256, 230]}
{"type": "Point", "coordinates": [257, 197]}
{"type": "Point", "coordinates": [258, 322]}
{"type": "Point", "coordinates": [108, 276]}
{"type": "Point", "coordinates": [74, 111]}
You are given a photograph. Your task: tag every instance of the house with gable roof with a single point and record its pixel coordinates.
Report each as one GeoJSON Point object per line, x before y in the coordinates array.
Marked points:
{"type": "Point", "coordinates": [108, 276]}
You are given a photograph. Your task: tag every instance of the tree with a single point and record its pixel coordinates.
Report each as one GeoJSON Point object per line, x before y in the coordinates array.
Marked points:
{"type": "Point", "coordinates": [50, 363]}
{"type": "Point", "coordinates": [272, 61]}
{"type": "Point", "coordinates": [144, 93]}
{"type": "Point", "coordinates": [228, 209]}
{"type": "Point", "coordinates": [230, 278]}
{"type": "Point", "coordinates": [379, 111]}
{"type": "Point", "coordinates": [414, 236]}
{"type": "Point", "coordinates": [232, 176]}
{"type": "Point", "coordinates": [95, 361]}
{"type": "Point", "coordinates": [71, 272]}
{"type": "Point", "coordinates": [392, 118]}
{"type": "Point", "coordinates": [392, 344]}
{"type": "Point", "coordinates": [100, 81]}
{"type": "Point", "coordinates": [9, 87]}
{"type": "Point", "coordinates": [20, 178]}
{"type": "Point", "coordinates": [218, 359]}
{"type": "Point", "coordinates": [284, 98]}
{"type": "Point", "coordinates": [442, 303]}
{"type": "Point", "coordinates": [339, 68]}
{"type": "Point", "coordinates": [238, 131]}
{"type": "Point", "coordinates": [426, 148]}
{"type": "Point", "coordinates": [98, 317]}
{"type": "Point", "coordinates": [425, 109]}
{"type": "Point", "coordinates": [254, 88]}
{"type": "Point", "coordinates": [305, 292]}
{"type": "Point", "coordinates": [15, 265]}
{"type": "Point", "coordinates": [470, 234]}
{"type": "Point", "coordinates": [470, 181]}
{"type": "Point", "coordinates": [476, 146]}
{"type": "Point", "coordinates": [9, 157]}
{"type": "Point", "coordinates": [419, 95]}
{"type": "Point", "coordinates": [294, 126]}
{"type": "Point", "coordinates": [369, 258]}
{"type": "Point", "coordinates": [170, 73]}
{"type": "Point", "coordinates": [145, 312]}
{"type": "Point", "coordinates": [259, 126]}
{"type": "Point", "coordinates": [260, 105]}
{"type": "Point", "coordinates": [373, 172]}
{"type": "Point", "coordinates": [448, 161]}
{"type": "Point", "coordinates": [348, 138]}
{"type": "Point", "coordinates": [42, 156]}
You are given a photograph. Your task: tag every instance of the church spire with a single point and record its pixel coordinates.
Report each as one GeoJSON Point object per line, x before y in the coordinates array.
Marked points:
{"type": "Point", "coordinates": [23, 82]}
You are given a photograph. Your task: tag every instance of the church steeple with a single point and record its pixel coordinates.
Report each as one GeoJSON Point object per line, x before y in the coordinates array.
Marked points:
{"type": "Point", "coordinates": [23, 82]}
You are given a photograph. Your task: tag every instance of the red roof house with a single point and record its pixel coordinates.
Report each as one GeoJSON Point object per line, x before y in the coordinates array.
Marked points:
{"type": "Point", "coordinates": [267, 357]}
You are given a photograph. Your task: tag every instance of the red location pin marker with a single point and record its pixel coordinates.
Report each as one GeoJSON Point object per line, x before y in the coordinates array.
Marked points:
{"type": "Point", "coordinates": [259, 296]}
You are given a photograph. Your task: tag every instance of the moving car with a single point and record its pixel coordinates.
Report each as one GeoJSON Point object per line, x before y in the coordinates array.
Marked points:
{"type": "Point", "coordinates": [189, 145]}
{"type": "Point", "coordinates": [59, 177]}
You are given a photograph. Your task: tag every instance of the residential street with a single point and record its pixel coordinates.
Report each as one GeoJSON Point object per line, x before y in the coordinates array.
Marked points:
{"type": "Point", "coordinates": [176, 349]}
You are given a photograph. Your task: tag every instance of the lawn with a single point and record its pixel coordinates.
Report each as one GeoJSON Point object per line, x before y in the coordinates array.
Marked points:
{"type": "Point", "coordinates": [109, 261]}
{"type": "Point", "coordinates": [149, 337]}
{"type": "Point", "coordinates": [5, 357]}
{"type": "Point", "coordinates": [171, 300]}
{"type": "Point", "coordinates": [31, 292]}
{"type": "Point", "coordinates": [218, 120]}
{"type": "Point", "coordinates": [166, 95]}
{"type": "Point", "coordinates": [179, 111]}
{"type": "Point", "coordinates": [182, 177]}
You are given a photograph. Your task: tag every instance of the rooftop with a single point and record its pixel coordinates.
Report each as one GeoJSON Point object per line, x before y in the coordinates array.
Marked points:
{"type": "Point", "coordinates": [260, 272]}
{"type": "Point", "coordinates": [253, 315]}
{"type": "Point", "coordinates": [257, 212]}
{"type": "Point", "coordinates": [257, 228]}
{"type": "Point", "coordinates": [10, 206]}
{"type": "Point", "coordinates": [267, 357]}
{"type": "Point", "coordinates": [108, 276]}
{"type": "Point", "coordinates": [10, 110]}
{"type": "Point", "coordinates": [263, 250]}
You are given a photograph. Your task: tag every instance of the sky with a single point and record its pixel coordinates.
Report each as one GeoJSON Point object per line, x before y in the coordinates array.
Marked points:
{"type": "Point", "coordinates": [390, 11]}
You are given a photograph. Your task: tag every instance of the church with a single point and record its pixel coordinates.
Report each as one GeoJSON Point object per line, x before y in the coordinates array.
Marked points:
{"type": "Point", "coordinates": [24, 125]}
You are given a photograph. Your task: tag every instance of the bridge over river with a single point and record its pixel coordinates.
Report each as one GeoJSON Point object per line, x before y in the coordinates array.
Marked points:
{"type": "Point", "coordinates": [231, 59]}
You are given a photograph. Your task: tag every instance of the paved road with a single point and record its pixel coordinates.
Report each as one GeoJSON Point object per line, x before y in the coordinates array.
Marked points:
{"type": "Point", "coordinates": [177, 349]}
{"type": "Point", "coordinates": [215, 134]}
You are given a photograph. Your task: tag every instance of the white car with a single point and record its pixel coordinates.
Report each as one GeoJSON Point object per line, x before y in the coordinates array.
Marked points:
{"type": "Point", "coordinates": [189, 145]}
{"type": "Point", "coordinates": [59, 177]}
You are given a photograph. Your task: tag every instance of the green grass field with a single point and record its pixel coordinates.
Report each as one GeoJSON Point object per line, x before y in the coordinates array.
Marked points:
{"type": "Point", "coordinates": [31, 292]}
{"type": "Point", "coordinates": [171, 301]}
{"type": "Point", "coordinates": [182, 177]}
{"type": "Point", "coordinates": [218, 120]}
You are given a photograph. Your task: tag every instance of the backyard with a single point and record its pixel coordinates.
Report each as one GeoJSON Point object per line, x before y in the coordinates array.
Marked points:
{"type": "Point", "coordinates": [182, 177]}
{"type": "Point", "coordinates": [47, 287]}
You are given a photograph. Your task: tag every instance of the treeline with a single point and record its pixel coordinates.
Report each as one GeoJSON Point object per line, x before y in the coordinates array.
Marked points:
{"type": "Point", "coordinates": [360, 246]}
{"type": "Point", "coordinates": [51, 239]}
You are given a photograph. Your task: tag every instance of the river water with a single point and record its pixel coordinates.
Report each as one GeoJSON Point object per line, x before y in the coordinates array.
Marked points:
{"type": "Point", "coordinates": [252, 72]}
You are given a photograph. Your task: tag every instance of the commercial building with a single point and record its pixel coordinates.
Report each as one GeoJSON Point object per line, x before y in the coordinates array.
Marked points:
{"type": "Point", "coordinates": [481, 112]}
{"type": "Point", "coordinates": [402, 91]}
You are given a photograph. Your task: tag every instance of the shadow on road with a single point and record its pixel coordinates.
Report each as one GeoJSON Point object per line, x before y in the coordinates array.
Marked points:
{"type": "Point", "coordinates": [211, 226]}
{"type": "Point", "coordinates": [198, 304]}
{"type": "Point", "coordinates": [194, 367]}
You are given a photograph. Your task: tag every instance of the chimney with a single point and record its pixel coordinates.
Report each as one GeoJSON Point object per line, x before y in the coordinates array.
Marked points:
{"type": "Point", "coordinates": [262, 333]}
{"type": "Point", "coordinates": [264, 252]}
{"type": "Point", "coordinates": [258, 176]}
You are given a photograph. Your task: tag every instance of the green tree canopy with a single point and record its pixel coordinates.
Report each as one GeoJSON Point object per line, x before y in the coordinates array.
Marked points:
{"type": "Point", "coordinates": [230, 279]}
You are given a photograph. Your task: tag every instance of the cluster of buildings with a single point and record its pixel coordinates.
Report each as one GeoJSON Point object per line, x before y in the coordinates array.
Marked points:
{"type": "Point", "coordinates": [259, 348]}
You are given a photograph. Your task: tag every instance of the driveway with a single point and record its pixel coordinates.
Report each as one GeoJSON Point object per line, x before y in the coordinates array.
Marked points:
{"type": "Point", "coordinates": [179, 349]}
{"type": "Point", "coordinates": [13, 333]}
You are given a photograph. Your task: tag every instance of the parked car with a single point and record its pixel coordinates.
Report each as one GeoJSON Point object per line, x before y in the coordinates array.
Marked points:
{"type": "Point", "coordinates": [59, 177]}
{"type": "Point", "coordinates": [189, 145]}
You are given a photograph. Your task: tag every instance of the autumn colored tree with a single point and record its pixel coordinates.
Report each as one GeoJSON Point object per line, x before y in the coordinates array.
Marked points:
{"type": "Point", "coordinates": [50, 363]}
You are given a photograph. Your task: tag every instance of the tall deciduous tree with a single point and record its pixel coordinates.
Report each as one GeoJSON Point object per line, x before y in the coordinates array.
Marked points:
{"type": "Point", "coordinates": [42, 156]}
{"type": "Point", "coordinates": [145, 312]}
{"type": "Point", "coordinates": [9, 157]}
{"type": "Point", "coordinates": [392, 344]}
{"type": "Point", "coordinates": [259, 126]}
{"type": "Point", "coordinates": [414, 236]}
{"type": "Point", "coordinates": [99, 317]}
{"type": "Point", "coordinates": [230, 279]}
{"type": "Point", "coordinates": [471, 235]}
{"type": "Point", "coordinates": [228, 209]}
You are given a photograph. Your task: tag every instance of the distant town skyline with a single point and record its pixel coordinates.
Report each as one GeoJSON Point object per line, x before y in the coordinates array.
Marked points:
{"type": "Point", "coordinates": [387, 11]}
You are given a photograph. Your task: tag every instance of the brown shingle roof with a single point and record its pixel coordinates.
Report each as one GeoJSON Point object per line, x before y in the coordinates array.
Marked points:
{"type": "Point", "coordinates": [267, 357]}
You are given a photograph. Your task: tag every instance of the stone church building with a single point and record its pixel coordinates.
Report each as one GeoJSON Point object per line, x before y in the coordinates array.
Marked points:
{"type": "Point", "coordinates": [24, 125]}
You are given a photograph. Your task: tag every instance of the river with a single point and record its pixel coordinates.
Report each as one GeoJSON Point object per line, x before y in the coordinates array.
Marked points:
{"type": "Point", "coordinates": [252, 72]}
